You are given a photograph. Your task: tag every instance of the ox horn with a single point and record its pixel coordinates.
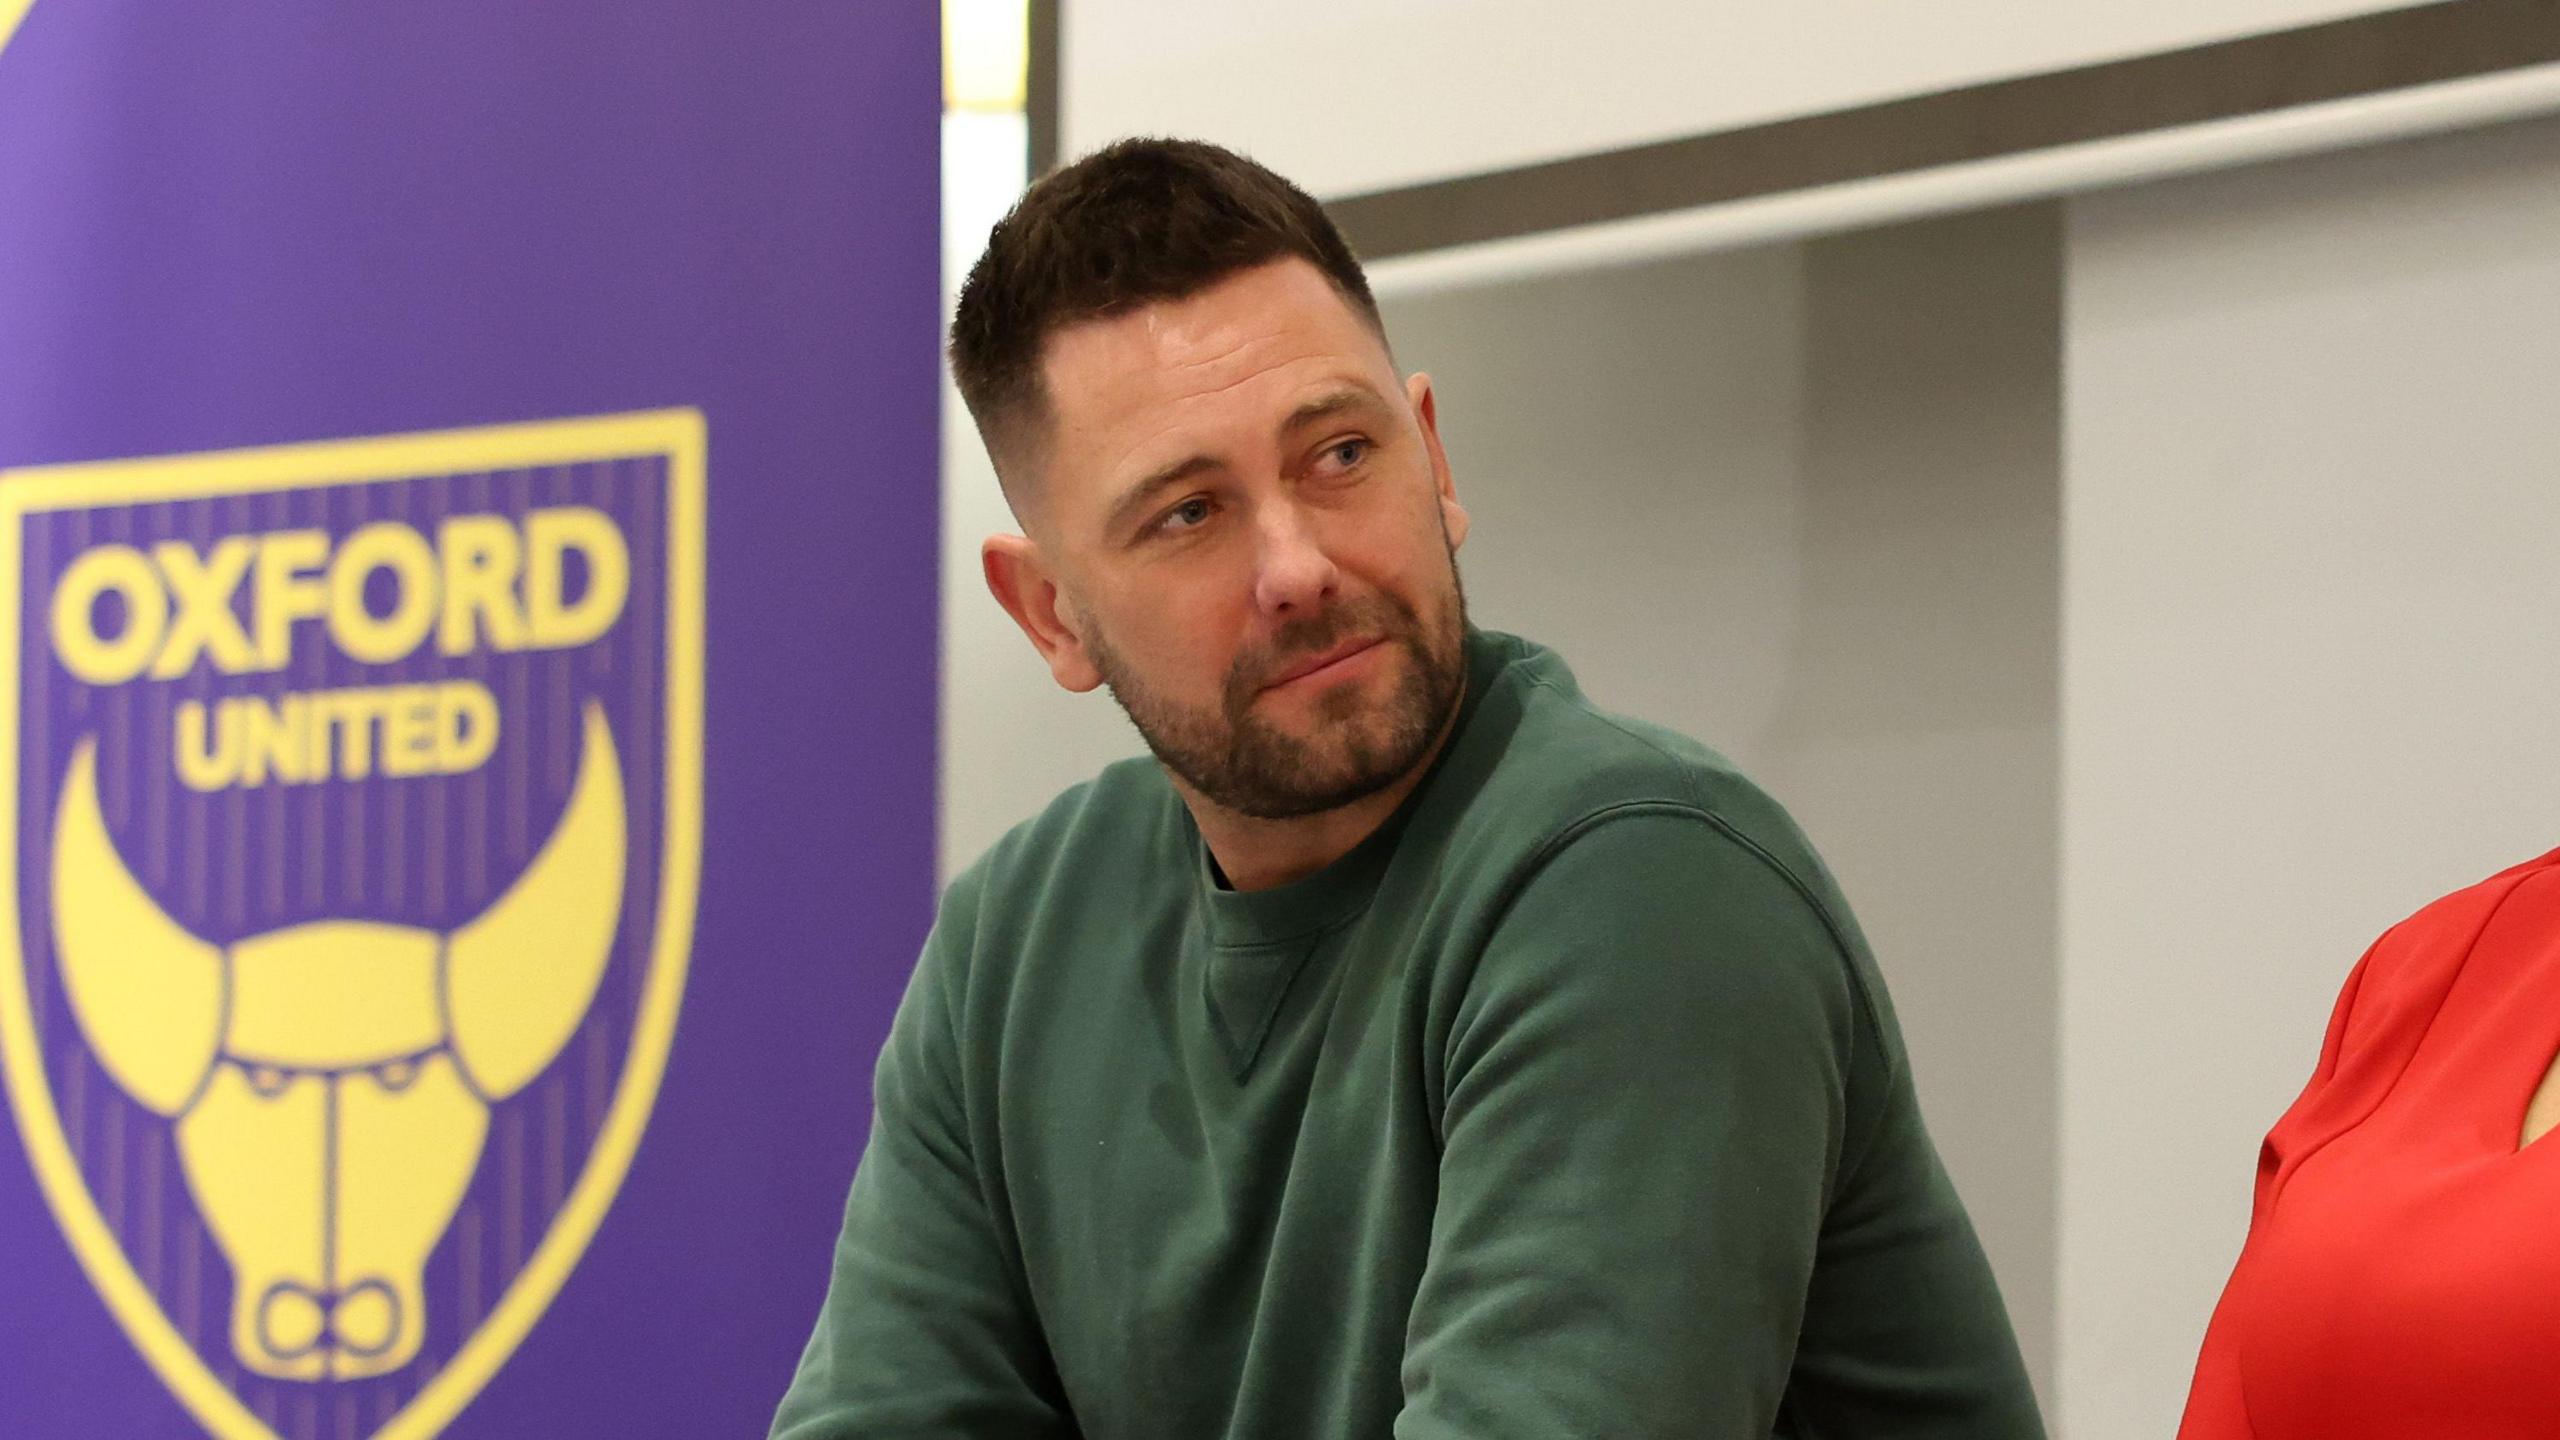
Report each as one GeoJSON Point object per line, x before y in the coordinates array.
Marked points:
{"type": "Point", "coordinates": [519, 978]}
{"type": "Point", "coordinates": [148, 993]}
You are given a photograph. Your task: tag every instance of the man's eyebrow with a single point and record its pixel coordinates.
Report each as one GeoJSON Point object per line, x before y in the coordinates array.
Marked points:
{"type": "Point", "coordinates": [1330, 404]}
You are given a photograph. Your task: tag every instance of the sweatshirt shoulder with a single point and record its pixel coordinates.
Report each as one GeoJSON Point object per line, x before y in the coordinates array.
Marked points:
{"type": "Point", "coordinates": [1566, 764]}
{"type": "Point", "coordinates": [1050, 874]}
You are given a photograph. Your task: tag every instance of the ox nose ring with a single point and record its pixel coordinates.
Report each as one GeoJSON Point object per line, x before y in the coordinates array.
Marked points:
{"type": "Point", "coordinates": [295, 1319]}
{"type": "Point", "coordinates": [367, 1318]}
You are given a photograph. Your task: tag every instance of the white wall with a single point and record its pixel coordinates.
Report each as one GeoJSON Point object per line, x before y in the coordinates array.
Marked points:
{"type": "Point", "coordinates": [2310, 675]}
{"type": "Point", "coordinates": [1011, 739]}
{"type": "Point", "coordinates": [1352, 95]}
{"type": "Point", "coordinates": [1800, 502]}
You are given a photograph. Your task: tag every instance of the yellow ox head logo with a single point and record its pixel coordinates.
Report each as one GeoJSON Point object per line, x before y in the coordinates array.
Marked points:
{"type": "Point", "coordinates": [331, 1081]}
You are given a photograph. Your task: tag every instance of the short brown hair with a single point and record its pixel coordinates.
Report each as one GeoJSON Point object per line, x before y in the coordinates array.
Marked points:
{"type": "Point", "coordinates": [1134, 223]}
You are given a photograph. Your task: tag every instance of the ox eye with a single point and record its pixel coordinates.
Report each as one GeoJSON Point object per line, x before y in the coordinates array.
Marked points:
{"type": "Point", "coordinates": [269, 1081]}
{"type": "Point", "coordinates": [396, 1076]}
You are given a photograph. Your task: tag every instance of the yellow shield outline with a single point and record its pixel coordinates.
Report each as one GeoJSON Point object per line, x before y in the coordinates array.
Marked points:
{"type": "Point", "coordinates": [676, 433]}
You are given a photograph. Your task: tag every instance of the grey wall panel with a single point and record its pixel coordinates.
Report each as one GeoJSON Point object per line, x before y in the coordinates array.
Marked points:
{"type": "Point", "coordinates": [2310, 679]}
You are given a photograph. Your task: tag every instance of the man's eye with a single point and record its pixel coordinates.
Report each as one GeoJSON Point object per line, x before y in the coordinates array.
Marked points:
{"type": "Point", "coordinates": [1347, 454]}
{"type": "Point", "coordinates": [1191, 514]}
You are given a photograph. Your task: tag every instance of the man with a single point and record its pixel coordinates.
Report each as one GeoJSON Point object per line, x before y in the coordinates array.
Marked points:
{"type": "Point", "coordinates": [1409, 1047]}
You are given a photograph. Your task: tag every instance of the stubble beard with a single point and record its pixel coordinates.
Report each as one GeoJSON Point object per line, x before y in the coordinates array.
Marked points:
{"type": "Point", "coordinates": [1241, 762]}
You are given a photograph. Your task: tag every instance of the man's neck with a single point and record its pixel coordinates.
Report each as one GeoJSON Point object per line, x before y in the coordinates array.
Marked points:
{"type": "Point", "coordinates": [1257, 854]}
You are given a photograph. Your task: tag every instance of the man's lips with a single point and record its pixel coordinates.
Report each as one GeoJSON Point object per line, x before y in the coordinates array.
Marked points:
{"type": "Point", "coordinates": [1327, 659]}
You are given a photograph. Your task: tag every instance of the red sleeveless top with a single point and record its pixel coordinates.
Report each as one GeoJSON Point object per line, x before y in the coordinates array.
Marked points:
{"type": "Point", "coordinates": [2402, 1276]}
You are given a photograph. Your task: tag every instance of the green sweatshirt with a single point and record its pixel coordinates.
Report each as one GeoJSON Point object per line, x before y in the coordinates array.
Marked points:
{"type": "Point", "coordinates": [1567, 1104]}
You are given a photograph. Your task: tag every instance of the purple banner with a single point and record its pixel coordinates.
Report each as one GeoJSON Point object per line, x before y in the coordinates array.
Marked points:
{"type": "Point", "coordinates": [467, 506]}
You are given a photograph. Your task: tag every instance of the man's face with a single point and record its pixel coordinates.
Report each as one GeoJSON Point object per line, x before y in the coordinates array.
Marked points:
{"type": "Point", "coordinates": [1251, 529]}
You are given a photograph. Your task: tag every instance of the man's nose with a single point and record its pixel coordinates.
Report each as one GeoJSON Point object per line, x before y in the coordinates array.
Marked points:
{"type": "Point", "coordinates": [1293, 574]}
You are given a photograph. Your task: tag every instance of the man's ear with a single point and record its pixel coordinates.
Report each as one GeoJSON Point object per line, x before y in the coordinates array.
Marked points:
{"type": "Point", "coordinates": [1018, 576]}
{"type": "Point", "coordinates": [1426, 413]}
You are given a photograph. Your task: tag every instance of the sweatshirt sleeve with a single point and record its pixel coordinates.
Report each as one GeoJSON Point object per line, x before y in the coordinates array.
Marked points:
{"type": "Point", "coordinates": [1644, 1106]}
{"type": "Point", "coordinates": [1649, 1110]}
{"type": "Point", "coordinates": [926, 1330]}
